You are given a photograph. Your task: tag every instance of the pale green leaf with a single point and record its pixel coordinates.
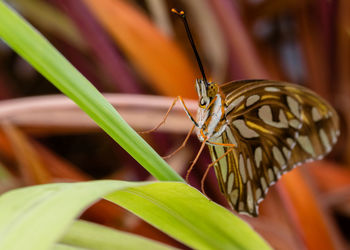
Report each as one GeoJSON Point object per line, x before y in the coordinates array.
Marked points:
{"type": "Point", "coordinates": [93, 236]}
{"type": "Point", "coordinates": [37, 217]}
{"type": "Point", "coordinates": [34, 48]}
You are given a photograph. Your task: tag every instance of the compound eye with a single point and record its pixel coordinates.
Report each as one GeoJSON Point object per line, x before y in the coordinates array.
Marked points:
{"type": "Point", "coordinates": [202, 102]}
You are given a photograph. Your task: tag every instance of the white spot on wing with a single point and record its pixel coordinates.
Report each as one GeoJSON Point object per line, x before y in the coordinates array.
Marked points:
{"type": "Point", "coordinates": [230, 182]}
{"type": "Point", "coordinates": [334, 137]}
{"type": "Point", "coordinates": [222, 163]}
{"type": "Point", "coordinates": [258, 156]}
{"type": "Point", "coordinates": [305, 144]}
{"type": "Point", "coordinates": [277, 154]}
{"type": "Point", "coordinates": [250, 199]}
{"type": "Point", "coordinates": [325, 140]}
{"type": "Point", "coordinates": [234, 197]}
{"type": "Point", "coordinates": [329, 114]}
{"type": "Point", "coordinates": [295, 124]}
{"type": "Point", "coordinates": [293, 106]}
{"type": "Point", "coordinates": [244, 130]}
{"type": "Point", "coordinates": [265, 114]}
{"type": "Point", "coordinates": [263, 184]}
{"type": "Point", "coordinates": [282, 117]}
{"type": "Point", "coordinates": [286, 152]}
{"type": "Point", "coordinates": [242, 168]}
{"type": "Point", "coordinates": [251, 100]}
{"type": "Point", "coordinates": [234, 103]}
{"type": "Point", "coordinates": [258, 193]}
{"type": "Point", "coordinates": [277, 172]}
{"type": "Point", "coordinates": [290, 142]}
{"type": "Point", "coordinates": [272, 89]}
{"type": "Point", "coordinates": [316, 116]}
{"type": "Point", "coordinates": [250, 170]}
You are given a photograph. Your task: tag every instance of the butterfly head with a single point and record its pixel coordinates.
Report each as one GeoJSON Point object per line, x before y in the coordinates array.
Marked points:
{"type": "Point", "coordinates": [206, 92]}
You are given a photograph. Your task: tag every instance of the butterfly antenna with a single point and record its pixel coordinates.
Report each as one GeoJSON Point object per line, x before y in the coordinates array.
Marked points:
{"type": "Point", "coordinates": [190, 38]}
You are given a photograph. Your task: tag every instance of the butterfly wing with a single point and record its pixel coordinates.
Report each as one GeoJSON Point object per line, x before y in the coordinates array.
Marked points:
{"type": "Point", "coordinates": [276, 126]}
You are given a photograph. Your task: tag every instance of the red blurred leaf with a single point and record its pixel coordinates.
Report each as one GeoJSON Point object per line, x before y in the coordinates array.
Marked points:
{"type": "Point", "coordinates": [153, 54]}
{"type": "Point", "coordinates": [310, 219]}
{"type": "Point", "coordinates": [108, 58]}
{"type": "Point", "coordinates": [247, 64]}
{"type": "Point", "coordinates": [31, 167]}
{"type": "Point", "coordinates": [343, 65]}
{"type": "Point", "coordinates": [330, 176]}
{"type": "Point", "coordinates": [59, 168]}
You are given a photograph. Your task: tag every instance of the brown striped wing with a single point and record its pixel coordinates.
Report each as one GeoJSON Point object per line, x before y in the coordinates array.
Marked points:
{"type": "Point", "coordinates": [276, 126]}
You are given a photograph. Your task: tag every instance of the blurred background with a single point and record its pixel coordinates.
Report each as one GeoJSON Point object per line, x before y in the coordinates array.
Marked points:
{"type": "Point", "coordinates": [138, 50]}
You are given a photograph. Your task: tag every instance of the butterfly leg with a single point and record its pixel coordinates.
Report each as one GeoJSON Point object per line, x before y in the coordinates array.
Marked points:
{"type": "Point", "coordinates": [209, 167]}
{"type": "Point", "coordinates": [195, 159]}
{"type": "Point", "coordinates": [182, 145]}
{"type": "Point", "coordinates": [167, 114]}
{"type": "Point", "coordinates": [205, 141]}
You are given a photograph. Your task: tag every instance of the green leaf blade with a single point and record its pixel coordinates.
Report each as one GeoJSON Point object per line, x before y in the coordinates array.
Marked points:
{"type": "Point", "coordinates": [34, 48]}
{"type": "Point", "coordinates": [93, 236]}
{"type": "Point", "coordinates": [40, 215]}
{"type": "Point", "coordinates": [194, 220]}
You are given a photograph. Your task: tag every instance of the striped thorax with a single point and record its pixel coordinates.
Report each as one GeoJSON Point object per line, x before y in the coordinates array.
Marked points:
{"type": "Point", "coordinates": [211, 111]}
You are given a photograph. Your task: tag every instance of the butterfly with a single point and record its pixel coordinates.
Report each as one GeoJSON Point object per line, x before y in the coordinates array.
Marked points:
{"type": "Point", "coordinates": [274, 126]}
{"type": "Point", "coordinates": [257, 130]}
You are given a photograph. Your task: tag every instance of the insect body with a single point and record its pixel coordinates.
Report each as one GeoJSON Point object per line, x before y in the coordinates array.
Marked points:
{"type": "Point", "coordinates": [211, 112]}
{"type": "Point", "coordinates": [274, 126]}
